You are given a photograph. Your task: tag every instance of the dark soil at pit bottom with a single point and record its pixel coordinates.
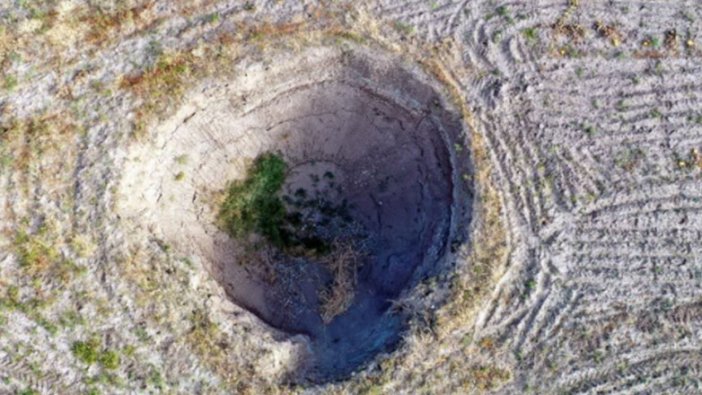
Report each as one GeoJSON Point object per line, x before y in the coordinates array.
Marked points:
{"type": "Point", "coordinates": [392, 174]}
{"type": "Point", "coordinates": [397, 220]}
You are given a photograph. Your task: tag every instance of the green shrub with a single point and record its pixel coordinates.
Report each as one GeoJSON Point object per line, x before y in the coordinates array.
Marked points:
{"type": "Point", "coordinates": [109, 359]}
{"type": "Point", "coordinates": [89, 352]}
{"type": "Point", "coordinates": [86, 351]}
{"type": "Point", "coordinates": [253, 205]}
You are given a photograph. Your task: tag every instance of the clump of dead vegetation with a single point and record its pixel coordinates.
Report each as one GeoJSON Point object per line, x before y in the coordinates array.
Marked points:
{"type": "Point", "coordinates": [213, 347]}
{"type": "Point", "coordinates": [343, 263]}
{"type": "Point", "coordinates": [693, 160]}
{"type": "Point", "coordinates": [609, 32]}
{"type": "Point", "coordinates": [563, 26]}
{"type": "Point", "coordinates": [160, 86]}
{"type": "Point", "coordinates": [104, 25]}
{"type": "Point", "coordinates": [39, 256]}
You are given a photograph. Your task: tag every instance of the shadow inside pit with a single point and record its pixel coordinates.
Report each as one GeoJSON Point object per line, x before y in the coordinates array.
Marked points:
{"type": "Point", "coordinates": [390, 168]}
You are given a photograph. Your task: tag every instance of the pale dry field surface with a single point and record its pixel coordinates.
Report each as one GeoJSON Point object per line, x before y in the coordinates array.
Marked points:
{"type": "Point", "coordinates": [581, 123]}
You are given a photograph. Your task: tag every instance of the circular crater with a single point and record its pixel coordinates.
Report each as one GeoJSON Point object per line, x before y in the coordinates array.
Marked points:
{"type": "Point", "coordinates": [374, 194]}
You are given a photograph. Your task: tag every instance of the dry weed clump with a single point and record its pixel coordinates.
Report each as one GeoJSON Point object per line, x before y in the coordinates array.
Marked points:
{"type": "Point", "coordinates": [672, 41]}
{"type": "Point", "coordinates": [343, 263]}
{"type": "Point", "coordinates": [609, 32]}
{"type": "Point", "coordinates": [574, 32]}
{"type": "Point", "coordinates": [159, 86]}
{"type": "Point", "coordinates": [41, 150]}
{"type": "Point", "coordinates": [213, 346]}
{"type": "Point", "coordinates": [562, 26]}
{"type": "Point", "coordinates": [694, 160]}
{"type": "Point", "coordinates": [8, 43]}
{"type": "Point", "coordinates": [104, 25]}
{"type": "Point", "coordinates": [39, 255]}
{"type": "Point", "coordinates": [487, 378]}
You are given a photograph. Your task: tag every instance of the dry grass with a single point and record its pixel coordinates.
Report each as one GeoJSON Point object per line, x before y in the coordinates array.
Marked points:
{"type": "Point", "coordinates": [40, 258]}
{"type": "Point", "coordinates": [343, 263]}
{"type": "Point", "coordinates": [486, 378]}
{"type": "Point", "coordinates": [106, 25]}
{"type": "Point", "coordinates": [573, 31]}
{"type": "Point", "coordinates": [7, 44]}
{"type": "Point", "coordinates": [160, 86]}
{"type": "Point", "coordinates": [40, 147]}
{"type": "Point", "coordinates": [214, 349]}
{"type": "Point", "coordinates": [609, 32]}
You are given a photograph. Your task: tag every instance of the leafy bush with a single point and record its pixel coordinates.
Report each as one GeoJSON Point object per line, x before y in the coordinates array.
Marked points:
{"type": "Point", "coordinates": [86, 351]}
{"type": "Point", "coordinates": [89, 352]}
{"type": "Point", "coordinates": [109, 359]}
{"type": "Point", "coordinates": [253, 205]}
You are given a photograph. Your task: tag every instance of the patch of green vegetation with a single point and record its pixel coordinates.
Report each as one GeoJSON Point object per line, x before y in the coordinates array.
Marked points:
{"type": "Point", "coordinates": [531, 284]}
{"type": "Point", "coordinates": [109, 359]}
{"type": "Point", "coordinates": [568, 51]}
{"type": "Point", "coordinates": [589, 130]}
{"type": "Point", "coordinates": [10, 82]}
{"type": "Point", "coordinates": [655, 42]}
{"type": "Point", "coordinates": [253, 205]}
{"type": "Point", "coordinates": [155, 379]}
{"type": "Point", "coordinates": [71, 319]}
{"type": "Point", "coordinates": [404, 28]}
{"type": "Point", "coordinates": [28, 391]}
{"type": "Point", "coordinates": [180, 176]}
{"type": "Point", "coordinates": [629, 158]}
{"type": "Point", "coordinates": [289, 222]}
{"type": "Point", "coordinates": [530, 34]}
{"type": "Point", "coordinates": [129, 351]}
{"type": "Point", "coordinates": [214, 18]}
{"type": "Point", "coordinates": [87, 352]}
{"type": "Point", "coordinates": [31, 308]}
{"type": "Point", "coordinates": [6, 161]}
{"type": "Point", "coordinates": [502, 11]}
{"type": "Point", "coordinates": [181, 159]}
{"type": "Point", "coordinates": [142, 334]}
{"type": "Point", "coordinates": [34, 252]}
{"type": "Point", "coordinates": [39, 256]}
{"type": "Point", "coordinates": [90, 352]}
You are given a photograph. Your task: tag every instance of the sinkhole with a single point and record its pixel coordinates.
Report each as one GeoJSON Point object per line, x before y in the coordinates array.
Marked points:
{"type": "Point", "coordinates": [370, 197]}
